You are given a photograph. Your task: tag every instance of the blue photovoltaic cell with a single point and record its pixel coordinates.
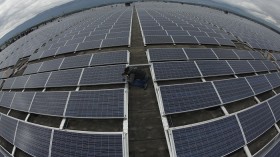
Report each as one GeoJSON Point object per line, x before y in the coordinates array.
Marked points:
{"type": "Point", "coordinates": [257, 55]}
{"type": "Point", "coordinates": [214, 68]}
{"type": "Point", "coordinates": [274, 103]}
{"type": "Point", "coordinates": [225, 54]}
{"type": "Point", "coordinates": [32, 68]}
{"type": "Point", "coordinates": [259, 84]}
{"type": "Point", "coordinates": [241, 67]}
{"type": "Point", "coordinates": [37, 80]}
{"type": "Point", "coordinates": [115, 42]}
{"type": "Point", "coordinates": [233, 89]}
{"type": "Point", "coordinates": [255, 121]}
{"type": "Point", "coordinates": [102, 103]}
{"type": "Point", "coordinates": [49, 103]}
{"type": "Point", "coordinates": [6, 99]}
{"type": "Point", "coordinates": [188, 97]}
{"type": "Point", "coordinates": [32, 139]}
{"type": "Point", "coordinates": [243, 54]}
{"type": "Point", "coordinates": [204, 53]}
{"type": "Point", "coordinates": [75, 62]}
{"type": "Point", "coordinates": [89, 45]}
{"type": "Point", "coordinates": [103, 75]}
{"type": "Point", "coordinates": [115, 57]}
{"type": "Point", "coordinates": [159, 39]}
{"type": "Point", "coordinates": [64, 78]}
{"type": "Point", "coordinates": [166, 54]}
{"type": "Point", "coordinates": [175, 70]}
{"type": "Point", "coordinates": [20, 82]}
{"type": "Point", "coordinates": [275, 151]}
{"type": "Point", "coordinates": [51, 65]}
{"type": "Point", "coordinates": [8, 83]}
{"type": "Point", "coordinates": [207, 41]}
{"type": "Point", "coordinates": [8, 128]}
{"type": "Point", "coordinates": [67, 49]}
{"type": "Point", "coordinates": [273, 79]}
{"type": "Point", "coordinates": [22, 101]}
{"type": "Point", "coordinates": [72, 144]}
{"type": "Point", "coordinates": [258, 65]}
{"type": "Point", "coordinates": [184, 39]}
{"type": "Point", "coordinates": [217, 138]}
{"type": "Point", "coordinates": [269, 65]}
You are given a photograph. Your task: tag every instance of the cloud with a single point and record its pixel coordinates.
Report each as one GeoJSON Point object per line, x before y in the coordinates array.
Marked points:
{"type": "Point", "coordinates": [258, 8]}
{"type": "Point", "coordinates": [15, 12]}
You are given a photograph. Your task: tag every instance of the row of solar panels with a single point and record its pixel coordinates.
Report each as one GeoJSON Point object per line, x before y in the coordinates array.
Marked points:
{"type": "Point", "coordinates": [107, 58]}
{"type": "Point", "coordinates": [227, 134]}
{"type": "Point", "coordinates": [96, 44]}
{"type": "Point", "coordinates": [114, 33]}
{"type": "Point", "coordinates": [190, 97]}
{"type": "Point", "coordinates": [197, 69]}
{"type": "Point", "coordinates": [45, 142]}
{"type": "Point", "coordinates": [73, 77]}
{"type": "Point", "coordinates": [173, 54]}
{"type": "Point", "coordinates": [79, 104]}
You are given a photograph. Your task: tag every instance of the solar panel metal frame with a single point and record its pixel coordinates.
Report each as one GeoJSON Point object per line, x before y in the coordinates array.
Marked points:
{"type": "Point", "coordinates": [206, 123]}
{"type": "Point", "coordinates": [125, 106]}
{"type": "Point", "coordinates": [160, 98]}
{"type": "Point", "coordinates": [50, 110]}
{"type": "Point", "coordinates": [261, 105]}
{"type": "Point", "coordinates": [154, 74]}
{"type": "Point", "coordinates": [81, 134]}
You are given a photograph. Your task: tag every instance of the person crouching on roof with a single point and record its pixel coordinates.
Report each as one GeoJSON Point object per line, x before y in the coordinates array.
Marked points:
{"type": "Point", "coordinates": [136, 77]}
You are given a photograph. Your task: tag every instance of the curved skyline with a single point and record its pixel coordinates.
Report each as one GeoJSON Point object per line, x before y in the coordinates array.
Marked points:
{"type": "Point", "coordinates": [16, 17]}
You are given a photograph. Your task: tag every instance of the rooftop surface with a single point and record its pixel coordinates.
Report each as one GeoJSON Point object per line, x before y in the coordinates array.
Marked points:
{"type": "Point", "coordinates": [213, 89]}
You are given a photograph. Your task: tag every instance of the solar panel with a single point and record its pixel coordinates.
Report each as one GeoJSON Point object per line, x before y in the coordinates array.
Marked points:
{"type": "Point", "coordinates": [216, 138]}
{"type": "Point", "coordinates": [114, 57]}
{"type": "Point", "coordinates": [67, 49]}
{"type": "Point", "coordinates": [81, 144]}
{"type": "Point", "coordinates": [92, 104]}
{"type": "Point", "coordinates": [8, 83]}
{"type": "Point", "coordinates": [214, 68]}
{"type": "Point", "coordinates": [198, 34]}
{"type": "Point", "coordinates": [233, 89]}
{"type": "Point", "coordinates": [258, 65]}
{"type": "Point", "coordinates": [273, 79]}
{"type": "Point", "coordinates": [7, 128]}
{"type": "Point", "coordinates": [22, 101]}
{"type": "Point", "coordinates": [175, 70]}
{"type": "Point", "coordinates": [241, 67]}
{"type": "Point", "coordinates": [51, 65]}
{"type": "Point", "coordinates": [37, 80]}
{"type": "Point", "coordinates": [269, 65]}
{"type": "Point", "coordinates": [64, 78]}
{"type": "Point", "coordinates": [103, 75]}
{"type": "Point", "coordinates": [257, 55]}
{"type": "Point", "coordinates": [188, 97]}
{"type": "Point", "coordinates": [198, 53]}
{"type": "Point", "coordinates": [255, 121]}
{"type": "Point", "coordinates": [89, 45]}
{"type": "Point", "coordinates": [49, 103]}
{"type": "Point", "coordinates": [20, 82]}
{"type": "Point", "coordinates": [274, 103]}
{"type": "Point", "coordinates": [166, 54]}
{"type": "Point", "coordinates": [49, 53]}
{"type": "Point", "coordinates": [75, 61]}
{"type": "Point", "coordinates": [244, 54]}
{"type": "Point", "coordinates": [259, 84]}
{"type": "Point", "coordinates": [95, 37]}
{"type": "Point", "coordinates": [115, 42]}
{"type": "Point", "coordinates": [160, 39]}
{"type": "Point", "coordinates": [75, 41]}
{"type": "Point", "coordinates": [207, 41]}
{"type": "Point", "coordinates": [225, 53]}
{"type": "Point", "coordinates": [6, 99]}
{"type": "Point", "coordinates": [274, 151]}
{"type": "Point", "coordinates": [225, 42]}
{"type": "Point", "coordinates": [32, 68]}
{"type": "Point", "coordinates": [33, 139]}
{"type": "Point", "coordinates": [184, 39]}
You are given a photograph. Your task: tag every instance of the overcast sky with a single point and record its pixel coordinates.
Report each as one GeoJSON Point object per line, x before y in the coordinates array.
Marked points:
{"type": "Point", "coordinates": [15, 12]}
